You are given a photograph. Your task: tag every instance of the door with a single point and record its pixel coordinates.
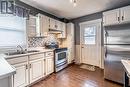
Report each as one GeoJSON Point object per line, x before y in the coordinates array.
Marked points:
{"type": "Point", "coordinates": [36, 70]}
{"type": "Point", "coordinates": [20, 79]}
{"type": "Point", "coordinates": [49, 65]}
{"type": "Point", "coordinates": [91, 43]}
{"type": "Point", "coordinates": [125, 14]}
{"type": "Point", "coordinates": [111, 17]}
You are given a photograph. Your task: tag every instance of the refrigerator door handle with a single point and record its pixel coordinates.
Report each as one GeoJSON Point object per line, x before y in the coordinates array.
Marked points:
{"type": "Point", "coordinates": [105, 50]}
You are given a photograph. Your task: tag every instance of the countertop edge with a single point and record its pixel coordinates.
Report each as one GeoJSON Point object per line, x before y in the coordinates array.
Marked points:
{"type": "Point", "coordinates": [126, 66]}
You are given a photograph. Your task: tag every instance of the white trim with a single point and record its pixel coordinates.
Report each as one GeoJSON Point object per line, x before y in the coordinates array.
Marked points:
{"type": "Point", "coordinates": [92, 21]}
{"type": "Point", "coordinates": [89, 22]}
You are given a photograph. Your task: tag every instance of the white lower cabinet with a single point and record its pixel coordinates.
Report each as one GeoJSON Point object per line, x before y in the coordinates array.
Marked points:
{"type": "Point", "coordinates": [49, 65]}
{"type": "Point", "coordinates": [36, 72]}
{"type": "Point", "coordinates": [20, 79]}
{"type": "Point", "coordinates": [31, 68]}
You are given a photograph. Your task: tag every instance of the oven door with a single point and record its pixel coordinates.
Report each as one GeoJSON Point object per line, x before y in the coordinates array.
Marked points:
{"type": "Point", "coordinates": [61, 57]}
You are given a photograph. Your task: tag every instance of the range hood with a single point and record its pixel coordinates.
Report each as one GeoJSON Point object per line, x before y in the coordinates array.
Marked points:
{"type": "Point", "coordinates": [54, 31]}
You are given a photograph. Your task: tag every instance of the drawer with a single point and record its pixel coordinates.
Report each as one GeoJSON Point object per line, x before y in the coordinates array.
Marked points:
{"type": "Point", "coordinates": [36, 56]}
{"type": "Point", "coordinates": [47, 54]}
{"type": "Point", "coordinates": [17, 60]}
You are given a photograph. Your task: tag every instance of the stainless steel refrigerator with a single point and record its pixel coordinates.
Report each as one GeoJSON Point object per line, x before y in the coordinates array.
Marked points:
{"type": "Point", "coordinates": [117, 47]}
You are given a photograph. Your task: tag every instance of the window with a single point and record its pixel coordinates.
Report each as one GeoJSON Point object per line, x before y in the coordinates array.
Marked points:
{"type": "Point", "coordinates": [12, 31]}
{"type": "Point", "coordinates": [90, 35]}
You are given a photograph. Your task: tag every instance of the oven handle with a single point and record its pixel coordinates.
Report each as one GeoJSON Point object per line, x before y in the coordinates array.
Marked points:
{"type": "Point", "coordinates": [63, 63]}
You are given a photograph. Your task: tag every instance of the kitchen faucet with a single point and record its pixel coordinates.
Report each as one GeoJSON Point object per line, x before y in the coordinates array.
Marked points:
{"type": "Point", "coordinates": [21, 48]}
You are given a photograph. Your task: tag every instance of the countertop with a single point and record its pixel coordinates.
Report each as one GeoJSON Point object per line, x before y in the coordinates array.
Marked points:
{"type": "Point", "coordinates": [7, 70]}
{"type": "Point", "coordinates": [26, 54]}
{"type": "Point", "coordinates": [126, 64]}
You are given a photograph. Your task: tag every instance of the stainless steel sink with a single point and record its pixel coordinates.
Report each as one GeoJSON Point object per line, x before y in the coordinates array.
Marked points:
{"type": "Point", "coordinates": [32, 51]}
{"type": "Point", "coordinates": [18, 53]}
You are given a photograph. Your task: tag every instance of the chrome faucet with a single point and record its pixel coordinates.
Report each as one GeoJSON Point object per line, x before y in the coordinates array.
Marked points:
{"type": "Point", "coordinates": [21, 48]}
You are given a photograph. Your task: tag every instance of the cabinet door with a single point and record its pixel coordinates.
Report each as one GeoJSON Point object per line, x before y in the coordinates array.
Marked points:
{"type": "Point", "coordinates": [31, 26]}
{"type": "Point", "coordinates": [52, 23]}
{"type": "Point", "coordinates": [58, 25]}
{"type": "Point", "coordinates": [111, 17]}
{"type": "Point", "coordinates": [49, 65]}
{"type": "Point", "coordinates": [63, 29]}
{"type": "Point", "coordinates": [44, 23]}
{"type": "Point", "coordinates": [20, 79]}
{"type": "Point", "coordinates": [36, 70]}
{"type": "Point", "coordinates": [125, 14]}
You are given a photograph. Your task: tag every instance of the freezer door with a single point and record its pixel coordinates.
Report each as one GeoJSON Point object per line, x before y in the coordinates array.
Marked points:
{"type": "Point", "coordinates": [113, 67]}
{"type": "Point", "coordinates": [121, 36]}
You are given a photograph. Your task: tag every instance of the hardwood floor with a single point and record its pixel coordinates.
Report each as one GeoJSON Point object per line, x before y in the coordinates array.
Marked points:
{"type": "Point", "coordinates": [73, 76]}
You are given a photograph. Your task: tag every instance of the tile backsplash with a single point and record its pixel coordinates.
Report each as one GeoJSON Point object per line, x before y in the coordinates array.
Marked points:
{"type": "Point", "coordinates": [40, 41]}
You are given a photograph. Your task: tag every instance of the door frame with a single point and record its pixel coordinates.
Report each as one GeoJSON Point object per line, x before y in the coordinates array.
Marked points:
{"type": "Point", "coordinates": [90, 22]}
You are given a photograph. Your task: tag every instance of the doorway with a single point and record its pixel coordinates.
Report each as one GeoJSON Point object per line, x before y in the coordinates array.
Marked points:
{"type": "Point", "coordinates": [90, 42]}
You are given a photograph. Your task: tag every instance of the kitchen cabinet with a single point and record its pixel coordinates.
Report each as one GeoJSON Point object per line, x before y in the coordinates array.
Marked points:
{"type": "Point", "coordinates": [36, 72]}
{"type": "Point", "coordinates": [49, 56]}
{"type": "Point", "coordinates": [125, 14]}
{"type": "Point", "coordinates": [116, 16]}
{"type": "Point", "coordinates": [20, 79]}
{"type": "Point", "coordinates": [32, 26]}
{"type": "Point", "coordinates": [63, 29]}
{"type": "Point", "coordinates": [49, 65]}
{"type": "Point", "coordinates": [31, 68]}
{"type": "Point", "coordinates": [111, 17]}
{"type": "Point", "coordinates": [42, 24]}
{"type": "Point", "coordinates": [38, 26]}
{"type": "Point", "coordinates": [52, 23]}
{"type": "Point", "coordinates": [69, 42]}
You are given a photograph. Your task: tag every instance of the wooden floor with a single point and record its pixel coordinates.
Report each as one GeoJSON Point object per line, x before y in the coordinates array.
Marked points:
{"type": "Point", "coordinates": [73, 76]}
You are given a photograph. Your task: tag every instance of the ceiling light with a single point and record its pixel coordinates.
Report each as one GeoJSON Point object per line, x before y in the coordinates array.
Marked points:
{"type": "Point", "coordinates": [74, 2]}
{"type": "Point", "coordinates": [71, 1]}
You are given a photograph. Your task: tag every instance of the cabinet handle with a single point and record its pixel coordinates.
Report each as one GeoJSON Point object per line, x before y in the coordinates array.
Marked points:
{"type": "Point", "coordinates": [30, 65]}
{"type": "Point", "coordinates": [118, 18]}
{"type": "Point", "coordinates": [26, 66]}
{"type": "Point", "coordinates": [122, 17]}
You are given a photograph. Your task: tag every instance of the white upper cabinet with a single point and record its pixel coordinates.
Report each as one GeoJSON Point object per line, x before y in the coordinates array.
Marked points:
{"type": "Point", "coordinates": [117, 16]}
{"type": "Point", "coordinates": [52, 23]}
{"type": "Point", "coordinates": [111, 17]}
{"type": "Point", "coordinates": [38, 26]}
{"type": "Point", "coordinates": [42, 24]}
{"type": "Point", "coordinates": [58, 25]}
{"type": "Point", "coordinates": [125, 14]}
{"type": "Point", "coordinates": [31, 26]}
{"type": "Point", "coordinates": [63, 29]}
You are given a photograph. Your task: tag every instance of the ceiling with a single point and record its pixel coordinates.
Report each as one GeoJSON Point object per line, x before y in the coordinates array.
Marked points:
{"type": "Point", "coordinates": [65, 9]}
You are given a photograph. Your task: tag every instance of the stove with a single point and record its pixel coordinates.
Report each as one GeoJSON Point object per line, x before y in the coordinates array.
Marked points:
{"type": "Point", "coordinates": [60, 58]}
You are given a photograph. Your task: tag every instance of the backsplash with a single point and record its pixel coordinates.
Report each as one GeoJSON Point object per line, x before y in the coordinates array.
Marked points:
{"type": "Point", "coordinates": [40, 41]}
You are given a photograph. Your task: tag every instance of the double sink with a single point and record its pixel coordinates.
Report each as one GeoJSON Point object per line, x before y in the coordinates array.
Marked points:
{"type": "Point", "coordinates": [20, 52]}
